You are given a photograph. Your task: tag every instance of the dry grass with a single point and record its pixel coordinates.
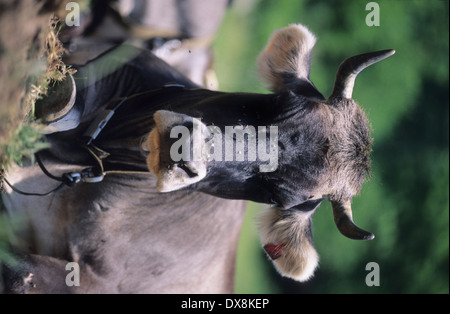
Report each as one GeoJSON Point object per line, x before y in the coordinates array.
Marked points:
{"type": "Point", "coordinates": [30, 60]}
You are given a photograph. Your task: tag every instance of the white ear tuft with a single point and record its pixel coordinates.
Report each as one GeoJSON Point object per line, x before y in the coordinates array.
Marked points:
{"type": "Point", "coordinates": [287, 239]}
{"type": "Point", "coordinates": [286, 56]}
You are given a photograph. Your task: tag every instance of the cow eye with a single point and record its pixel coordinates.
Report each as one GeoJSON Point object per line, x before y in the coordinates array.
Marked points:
{"type": "Point", "coordinates": [276, 99]}
{"type": "Point", "coordinates": [273, 201]}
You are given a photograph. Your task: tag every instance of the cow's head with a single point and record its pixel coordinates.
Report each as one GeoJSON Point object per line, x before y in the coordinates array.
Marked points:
{"type": "Point", "coordinates": [321, 147]}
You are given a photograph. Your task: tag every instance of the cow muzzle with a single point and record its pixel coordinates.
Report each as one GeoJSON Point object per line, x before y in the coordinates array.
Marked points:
{"type": "Point", "coordinates": [175, 150]}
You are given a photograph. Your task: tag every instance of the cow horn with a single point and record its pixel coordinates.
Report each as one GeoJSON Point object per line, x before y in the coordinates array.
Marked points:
{"type": "Point", "coordinates": [344, 221]}
{"type": "Point", "coordinates": [350, 68]}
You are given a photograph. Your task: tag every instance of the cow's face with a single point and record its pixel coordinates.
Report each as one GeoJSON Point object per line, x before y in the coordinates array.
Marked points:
{"type": "Point", "coordinates": [291, 149]}
{"type": "Point", "coordinates": [274, 154]}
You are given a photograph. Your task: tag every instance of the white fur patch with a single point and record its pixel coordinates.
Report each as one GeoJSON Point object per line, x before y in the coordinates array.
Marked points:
{"type": "Point", "coordinates": [296, 256]}
{"type": "Point", "coordinates": [287, 52]}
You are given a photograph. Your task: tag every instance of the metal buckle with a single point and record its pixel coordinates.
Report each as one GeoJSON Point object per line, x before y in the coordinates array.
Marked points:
{"type": "Point", "coordinates": [72, 178]}
{"type": "Point", "coordinates": [91, 175]}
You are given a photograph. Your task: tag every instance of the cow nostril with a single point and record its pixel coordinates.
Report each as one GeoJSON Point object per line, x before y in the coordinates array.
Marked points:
{"type": "Point", "coordinates": [188, 171]}
{"type": "Point", "coordinates": [102, 208]}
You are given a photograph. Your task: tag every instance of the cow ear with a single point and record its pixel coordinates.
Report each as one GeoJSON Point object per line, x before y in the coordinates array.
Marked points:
{"type": "Point", "coordinates": [286, 57]}
{"type": "Point", "coordinates": [285, 62]}
{"type": "Point", "coordinates": [175, 150]}
{"type": "Point", "coordinates": [287, 239]}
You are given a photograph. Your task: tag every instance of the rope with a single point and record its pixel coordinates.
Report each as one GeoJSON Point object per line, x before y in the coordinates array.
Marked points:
{"type": "Point", "coordinates": [88, 175]}
{"type": "Point", "coordinates": [32, 194]}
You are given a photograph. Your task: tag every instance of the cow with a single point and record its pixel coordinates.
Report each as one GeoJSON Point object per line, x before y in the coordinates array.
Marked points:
{"type": "Point", "coordinates": [143, 216]}
{"type": "Point", "coordinates": [178, 31]}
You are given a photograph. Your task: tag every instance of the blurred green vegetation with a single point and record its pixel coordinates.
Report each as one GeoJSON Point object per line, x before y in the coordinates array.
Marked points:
{"type": "Point", "coordinates": [406, 200]}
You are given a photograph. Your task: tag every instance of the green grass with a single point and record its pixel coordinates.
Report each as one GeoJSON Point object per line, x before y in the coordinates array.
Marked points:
{"type": "Point", "coordinates": [26, 140]}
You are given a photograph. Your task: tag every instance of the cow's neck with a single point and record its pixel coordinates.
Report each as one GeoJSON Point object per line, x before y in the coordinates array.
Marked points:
{"type": "Point", "coordinates": [218, 108]}
{"type": "Point", "coordinates": [134, 120]}
{"type": "Point", "coordinates": [125, 134]}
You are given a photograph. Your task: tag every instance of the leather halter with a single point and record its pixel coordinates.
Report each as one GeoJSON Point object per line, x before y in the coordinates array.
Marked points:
{"type": "Point", "coordinates": [92, 174]}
